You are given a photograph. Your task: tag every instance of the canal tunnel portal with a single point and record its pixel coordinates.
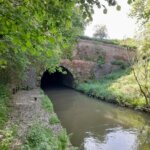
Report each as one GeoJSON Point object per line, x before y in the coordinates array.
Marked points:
{"type": "Point", "coordinates": [56, 79]}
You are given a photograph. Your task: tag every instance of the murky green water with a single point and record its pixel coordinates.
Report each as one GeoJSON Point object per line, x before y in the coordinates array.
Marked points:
{"type": "Point", "coordinates": [96, 125]}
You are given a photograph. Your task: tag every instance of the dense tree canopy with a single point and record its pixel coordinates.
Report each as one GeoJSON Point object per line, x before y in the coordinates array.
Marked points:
{"type": "Point", "coordinates": [34, 31]}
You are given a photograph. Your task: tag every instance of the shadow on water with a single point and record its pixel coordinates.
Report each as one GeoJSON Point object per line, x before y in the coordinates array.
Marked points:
{"type": "Point", "coordinates": [96, 125]}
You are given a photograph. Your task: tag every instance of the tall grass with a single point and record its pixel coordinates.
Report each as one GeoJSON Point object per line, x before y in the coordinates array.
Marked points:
{"type": "Point", "coordinates": [117, 87]}
{"type": "Point", "coordinates": [54, 119]}
{"type": "Point", "coordinates": [47, 104]}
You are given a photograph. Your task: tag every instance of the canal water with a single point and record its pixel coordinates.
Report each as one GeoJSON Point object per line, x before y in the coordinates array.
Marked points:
{"type": "Point", "coordinates": [96, 125]}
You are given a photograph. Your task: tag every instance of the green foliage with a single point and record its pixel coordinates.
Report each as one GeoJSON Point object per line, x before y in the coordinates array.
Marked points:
{"type": "Point", "coordinates": [36, 134]}
{"type": "Point", "coordinates": [87, 6]}
{"type": "Point", "coordinates": [8, 134]}
{"type": "Point", "coordinates": [141, 72]}
{"type": "Point", "coordinates": [118, 87]}
{"type": "Point", "coordinates": [129, 43]}
{"type": "Point", "coordinates": [7, 140]}
{"type": "Point", "coordinates": [121, 63]}
{"type": "Point", "coordinates": [54, 119]}
{"type": "Point", "coordinates": [63, 138]}
{"type": "Point", "coordinates": [144, 44]}
{"type": "Point", "coordinates": [42, 138]}
{"type": "Point", "coordinates": [101, 61]}
{"type": "Point", "coordinates": [72, 33]}
{"type": "Point", "coordinates": [100, 88]}
{"type": "Point", "coordinates": [38, 33]}
{"type": "Point", "coordinates": [14, 68]}
{"type": "Point", "coordinates": [141, 10]}
{"type": "Point", "coordinates": [4, 109]}
{"type": "Point", "coordinates": [34, 33]}
{"type": "Point", "coordinates": [47, 104]}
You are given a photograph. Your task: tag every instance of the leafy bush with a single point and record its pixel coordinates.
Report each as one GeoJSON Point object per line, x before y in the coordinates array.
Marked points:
{"type": "Point", "coordinates": [8, 136]}
{"type": "Point", "coordinates": [7, 140]}
{"type": "Point", "coordinates": [101, 61]}
{"type": "Point", "coordinates": [42, 138]}
{"type": "Point", "coordinates": [35, 135]}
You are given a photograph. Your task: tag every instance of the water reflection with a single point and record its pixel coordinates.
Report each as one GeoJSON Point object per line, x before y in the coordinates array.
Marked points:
{"type": "Point", "coordinates": [115, 139]}
{"type": "Point", "coordinates": [96, 125]}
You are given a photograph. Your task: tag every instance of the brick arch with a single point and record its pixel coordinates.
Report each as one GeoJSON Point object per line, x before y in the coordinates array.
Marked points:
{"type": "Point", "coordinates": [80, 69]}
{"type": "Point", "coordinates": [68, 69]}
{"type": "Point", "coordinates": [57, 78]}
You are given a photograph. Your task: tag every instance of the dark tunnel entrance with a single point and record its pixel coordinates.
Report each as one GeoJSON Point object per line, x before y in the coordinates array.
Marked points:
{"type": "Point", "coordinates": [57, 79]}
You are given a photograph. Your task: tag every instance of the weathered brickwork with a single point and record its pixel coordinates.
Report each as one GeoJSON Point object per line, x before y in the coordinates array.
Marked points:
{"type": "Point", "coordinates": [85, 62]}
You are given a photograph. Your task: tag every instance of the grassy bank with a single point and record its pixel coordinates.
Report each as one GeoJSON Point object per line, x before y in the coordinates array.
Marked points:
{"type": "Point", "coordinates": [41, 137]}
{"type": "Point", "coordinates": [39, 131]}
{"type": "Point", "coordinates": [118, 87]}
{"type": "Point", "coordinates": [128, 43]}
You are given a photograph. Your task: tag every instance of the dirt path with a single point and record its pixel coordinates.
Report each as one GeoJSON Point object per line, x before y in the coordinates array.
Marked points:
{"type": "Point", "coordinates": [26, 110]}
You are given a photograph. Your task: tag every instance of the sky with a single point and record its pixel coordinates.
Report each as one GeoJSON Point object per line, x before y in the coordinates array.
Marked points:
{"type": "Point", "coordinates": [119, 24]}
